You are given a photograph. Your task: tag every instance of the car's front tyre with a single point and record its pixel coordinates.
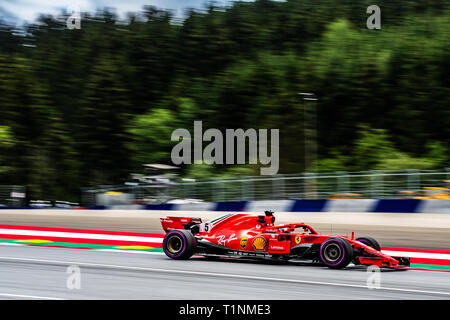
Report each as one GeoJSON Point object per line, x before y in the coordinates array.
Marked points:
{"type": "Point", "coordinates": [371, 242]}
{"type": "Point", "coordinates": [336, 253]}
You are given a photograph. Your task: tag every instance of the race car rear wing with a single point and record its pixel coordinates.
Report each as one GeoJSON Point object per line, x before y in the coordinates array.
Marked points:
{"type": "Point", "coordinates": [170, 223]}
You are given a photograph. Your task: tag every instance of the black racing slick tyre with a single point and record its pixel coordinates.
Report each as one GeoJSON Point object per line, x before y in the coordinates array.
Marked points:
{"type": "Point", "coordinates": [371, 242]}
{"type": "Point", "coordinates": [179, 244]}
{"type": "Point", "coordinates": [336, 253]}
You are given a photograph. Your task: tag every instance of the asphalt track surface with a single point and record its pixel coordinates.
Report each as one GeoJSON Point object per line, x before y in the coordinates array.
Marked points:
{"type": "Point", "coordinates": [406, 230]}
{"type": "Point", "coordinates": [41, 273]}
{"type": "Point", "coordinates": [28, 272]}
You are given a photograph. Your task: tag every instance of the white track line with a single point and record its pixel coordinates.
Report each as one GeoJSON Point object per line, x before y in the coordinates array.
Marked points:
{"type": "Point", "coordinates": [223, 275]}
{"type": "Point", "coordinates": [11, 295]}
{"type": "Point", "coordinates": [130, 251]}
{"type": "Point", "coordinates": [10, 244]}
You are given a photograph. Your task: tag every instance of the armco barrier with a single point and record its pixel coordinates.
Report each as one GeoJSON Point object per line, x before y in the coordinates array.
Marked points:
{"type": "Point", "coordinates": [203, 206]}
{"type": "Point", "coordinates": [357, 205]}
{"type": "Point", "coordinates": [434, 206]}
{"type": "Point", "coordinates": [347, 205]}
{"type": "Point", "coordinates": [231, 206]}
{"type": "Point", "coordinates": [396, 205]}
{"type": "Point", "coordinates": [276, 206]}
{"type": "Point", "coordinates": [308, 205]}
{"type": "Point", "coordinates": [163, 206]}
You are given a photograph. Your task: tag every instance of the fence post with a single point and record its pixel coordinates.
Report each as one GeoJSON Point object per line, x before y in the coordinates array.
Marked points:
{"type": "Point", "coordinates": [305, 186]}
{"type": "Point", "coordinates": [310, 184]}
{"type": "Point", "coordinates": [373, 184]}
{"type": "Point", "coordinates": [342, 181]}
{"type": "Point", "coordinates": [222, 190]}
{"type": "Point", "coordinates": [381, 195]}
{"type": "Point", "coordinates": [413, 179]}
{"type": "Point", "coordinates": [274, 189]}
{"type": "Point", "coordinates": [243, 189]}
{"type": "Point", "coordinates": [216, 191]}
{"type": "Point", "coordinates": [282, 188]}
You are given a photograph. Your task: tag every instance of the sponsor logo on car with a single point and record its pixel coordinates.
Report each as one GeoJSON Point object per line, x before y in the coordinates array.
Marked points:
{"type": "Point", "coordinates": [259, 243]}
{"type": "Point", "coordinates": [243, 243]}
{"type": "Point", "coordinates": [298, 239]}
{"type": "Point", "coordinates": [222, 241]}
{"type": "Point", "coordinates": [276, 247]}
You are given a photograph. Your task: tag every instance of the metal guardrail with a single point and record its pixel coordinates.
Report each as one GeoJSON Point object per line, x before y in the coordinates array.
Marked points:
{"type": "Point", "coordinates": [362, 184]}
{"type": "Point", "coordinates": [12, 195]}
{"type": "Point", "coordinates": [143, 194]}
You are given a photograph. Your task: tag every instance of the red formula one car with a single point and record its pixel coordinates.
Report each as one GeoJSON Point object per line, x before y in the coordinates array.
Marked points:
{"type": "Point", "coordinates": [244, 235]}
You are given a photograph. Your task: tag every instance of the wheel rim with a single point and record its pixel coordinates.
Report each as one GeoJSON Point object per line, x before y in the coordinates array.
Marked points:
{"type": "Point", "coordinates": [174, 244]}
{"type": "Point", "coordinates": [332, 252]}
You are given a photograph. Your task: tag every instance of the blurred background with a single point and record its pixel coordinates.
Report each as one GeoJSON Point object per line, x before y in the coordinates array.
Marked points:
{"type": "Point", "coordinates": [88, 113]}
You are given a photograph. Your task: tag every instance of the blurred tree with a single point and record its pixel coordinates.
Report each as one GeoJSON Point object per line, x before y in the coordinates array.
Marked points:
{"type": "Point", "coordinates": [101, 119]}
{"type": "Point", "coordinates": [6, 143]}
{"type": "Point", "coordinates": [86, 107]}
{"type": "Point", "coordinates": [151, 136]}
{"type": "Point", "coordinates": [373, 150]}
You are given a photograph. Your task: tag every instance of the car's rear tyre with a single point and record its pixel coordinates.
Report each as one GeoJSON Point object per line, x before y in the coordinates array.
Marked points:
{"type": "Point", "coordinates": [336, 253]}
{"type": "Point", "coordinates": [371, 242]}
{"type": "Point", "coordinates": [179, 244]}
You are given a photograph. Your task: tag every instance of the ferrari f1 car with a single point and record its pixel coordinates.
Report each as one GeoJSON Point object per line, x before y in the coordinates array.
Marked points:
{"type": "Point", "coordinates": [245, 235]}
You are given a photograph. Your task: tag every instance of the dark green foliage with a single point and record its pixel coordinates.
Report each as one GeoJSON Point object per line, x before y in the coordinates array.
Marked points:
{"type": "Point", "coordinates": [88, 107]}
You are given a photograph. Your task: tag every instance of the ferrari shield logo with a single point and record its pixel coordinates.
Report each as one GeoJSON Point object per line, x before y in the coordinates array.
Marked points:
{"type": "Point", "coordinates": [243, 243]}
{"type": "Point", "coordinates": [298, 239]}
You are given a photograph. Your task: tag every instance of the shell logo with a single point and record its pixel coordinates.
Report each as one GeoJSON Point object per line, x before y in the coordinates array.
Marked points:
{"type": "Point", "coordinates": [298, 239]}
{"type": "Point", "coordinates": [259, 243]}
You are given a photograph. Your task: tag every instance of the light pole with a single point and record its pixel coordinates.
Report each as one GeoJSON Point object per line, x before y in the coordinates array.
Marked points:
{"type": "Point", "coordinates": [310, 128]}
{"type": "Point", "coordinates": [310, 136]}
